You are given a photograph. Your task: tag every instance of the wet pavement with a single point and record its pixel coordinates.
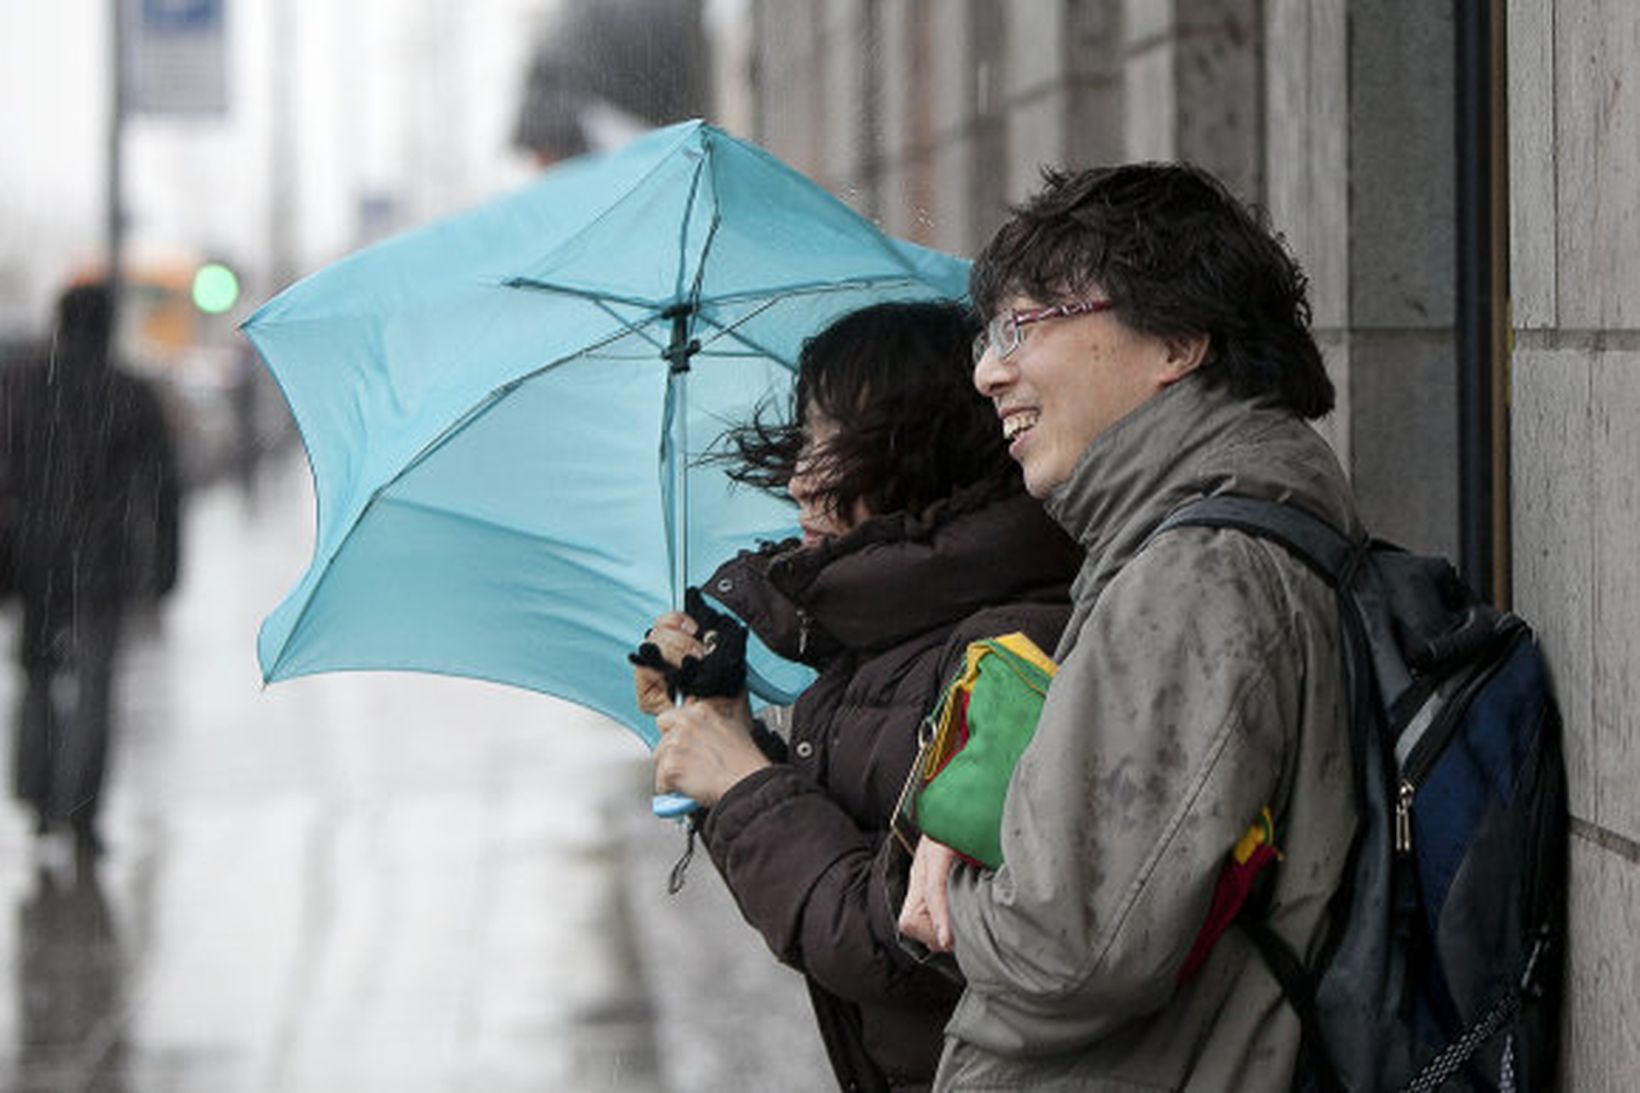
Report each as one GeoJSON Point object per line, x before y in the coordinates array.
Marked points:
{"type": "Point", "coordinates": [366, 881]}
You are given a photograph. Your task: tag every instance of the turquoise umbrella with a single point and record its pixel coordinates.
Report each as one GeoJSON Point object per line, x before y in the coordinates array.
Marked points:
{"type": "Point", "coordinates": [506, 411]}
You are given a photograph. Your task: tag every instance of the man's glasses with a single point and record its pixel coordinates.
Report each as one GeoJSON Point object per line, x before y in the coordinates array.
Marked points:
{"type": "Point", "coordinates": [1002, 334]}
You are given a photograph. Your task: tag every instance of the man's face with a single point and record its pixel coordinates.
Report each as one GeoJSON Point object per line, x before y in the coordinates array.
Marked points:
{"type": "Point", "coordinates": [1069, 379]}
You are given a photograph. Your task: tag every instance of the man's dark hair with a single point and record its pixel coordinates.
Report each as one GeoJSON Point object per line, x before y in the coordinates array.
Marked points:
{"type": "Point", "coordinates": [897, 380]}
{"type": "Point", "coordinates": [1178, 255]}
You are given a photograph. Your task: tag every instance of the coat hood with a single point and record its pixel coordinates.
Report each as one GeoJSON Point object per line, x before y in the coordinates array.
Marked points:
{"type": "Point", "coordinates": [1193, 439]}
{"type": "Point", "coordinates": [896, 576]}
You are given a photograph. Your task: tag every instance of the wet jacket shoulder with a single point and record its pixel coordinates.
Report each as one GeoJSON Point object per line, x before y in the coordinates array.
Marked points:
{"type": "Point", "coordinates": [1200, 681]}
{"type": "Point", "coordinates": [883, 613]}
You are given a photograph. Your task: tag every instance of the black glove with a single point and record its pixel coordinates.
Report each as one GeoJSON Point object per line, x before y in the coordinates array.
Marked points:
{"type": "Point", "coordinates": [721, 673]}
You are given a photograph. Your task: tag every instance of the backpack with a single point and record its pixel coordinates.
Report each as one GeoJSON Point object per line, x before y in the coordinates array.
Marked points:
{"type": "Point", "coordinates": [1444, 961]}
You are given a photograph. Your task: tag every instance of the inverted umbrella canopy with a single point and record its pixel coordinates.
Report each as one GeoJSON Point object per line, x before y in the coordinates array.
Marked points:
{"type": "Point", "coordinates": [506, 411]}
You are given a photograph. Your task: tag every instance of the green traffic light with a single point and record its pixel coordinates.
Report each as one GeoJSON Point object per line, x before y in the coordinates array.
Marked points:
{"type": "Point", "coordinates": [216, 289]}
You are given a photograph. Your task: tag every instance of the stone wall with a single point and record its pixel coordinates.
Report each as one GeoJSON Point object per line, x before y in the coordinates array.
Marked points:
{"type": "Point", "coordinates": [1337, 116]}
{"type": "Point", "coordinates": [1574, 176]}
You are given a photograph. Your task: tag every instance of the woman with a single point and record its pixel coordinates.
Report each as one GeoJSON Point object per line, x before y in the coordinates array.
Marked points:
{"type": "Point", "coordinates": [917, 538]}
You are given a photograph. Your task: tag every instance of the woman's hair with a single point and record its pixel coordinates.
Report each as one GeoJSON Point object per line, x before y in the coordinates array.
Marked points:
{"type": "Point", "coordinates": [897, 379]}
{"type": "Point", "coordinates": [1178, 256]}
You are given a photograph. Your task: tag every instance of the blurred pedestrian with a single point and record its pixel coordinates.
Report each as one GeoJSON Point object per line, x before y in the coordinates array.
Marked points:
{"type": "Point", "coordinates": [94, 479]}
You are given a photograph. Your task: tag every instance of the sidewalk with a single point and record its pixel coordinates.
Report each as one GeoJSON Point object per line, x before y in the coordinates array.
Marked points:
{"type": "Point", "coordinates": [372, 881]}
{"type": "Point", "coordinates": [728, 1017]}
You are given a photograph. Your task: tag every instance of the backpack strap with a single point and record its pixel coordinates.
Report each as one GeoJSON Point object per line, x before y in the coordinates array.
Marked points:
{"type": "Point", "coordinates": [1335, 559]}
{"type": "Point", "coordinates": [1299, 986]}
{"type": "Point", "coordinates": [1312, 540]}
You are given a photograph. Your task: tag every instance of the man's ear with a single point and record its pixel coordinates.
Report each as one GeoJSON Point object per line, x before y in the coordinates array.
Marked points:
{"type": "Point", "coordinates": [1184, 356]}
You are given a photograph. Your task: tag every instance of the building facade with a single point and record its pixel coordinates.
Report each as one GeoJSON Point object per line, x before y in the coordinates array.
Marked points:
{"type": "Point", "coordinates": [1458, 181]}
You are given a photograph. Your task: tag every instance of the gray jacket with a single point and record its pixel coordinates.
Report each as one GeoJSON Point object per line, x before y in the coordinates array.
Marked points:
{"type": "Point", "coordinates": [1201, 680]}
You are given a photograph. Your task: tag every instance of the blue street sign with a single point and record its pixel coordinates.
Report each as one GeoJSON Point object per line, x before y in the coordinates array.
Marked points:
{"type": "Point", "coordinates": [182, 16]}
{"type": "Point", "coordinates": [178, 57]}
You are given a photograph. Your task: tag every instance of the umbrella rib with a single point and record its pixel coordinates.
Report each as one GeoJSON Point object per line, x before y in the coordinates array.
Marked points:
{"type": "Point", "coordinates": [583, 293]}
{"type": "Point", "coordinates": [806, 288]}
{"type": "Point", "coordinates": [814, 288]}
{"type": "Point", "coordinates": [757, 350]}
{"type": "Point", "coordinates": [683, 231]}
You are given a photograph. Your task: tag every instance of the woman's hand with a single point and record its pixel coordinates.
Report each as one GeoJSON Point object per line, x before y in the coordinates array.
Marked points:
{"type": "Point", "coordinates": [706, 747]}
{"type": "Point", "coordinates": [674, 634]}
{"type": "Point", "coordinates": [926, 913]}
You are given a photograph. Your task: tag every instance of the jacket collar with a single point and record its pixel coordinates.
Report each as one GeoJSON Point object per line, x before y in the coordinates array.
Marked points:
{"type": "Point", "coordinates": [897, 576]}
{"type": "Point", "coordinates": [1191, 439]}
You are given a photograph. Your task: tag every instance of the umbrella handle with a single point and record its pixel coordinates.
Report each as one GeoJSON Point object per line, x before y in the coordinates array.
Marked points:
{"type": "Point", "coordinates": [672, 806]}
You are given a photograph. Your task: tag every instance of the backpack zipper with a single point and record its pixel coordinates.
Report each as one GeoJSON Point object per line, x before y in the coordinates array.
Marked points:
{"type": "Point", "coordinates": [803, 621]}
{"type": "Point", "coordinates": [1434, 742]}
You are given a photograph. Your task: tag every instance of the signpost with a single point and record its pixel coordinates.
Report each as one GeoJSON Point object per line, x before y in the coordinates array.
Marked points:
{"type": "Point", "coordinates": [178, 57]}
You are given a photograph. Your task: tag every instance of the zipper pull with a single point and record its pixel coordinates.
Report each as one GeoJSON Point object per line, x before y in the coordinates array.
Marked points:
{"type": "Point", "coordinates": [1403, 818]}
{"type": "Point", "coordinates": [802, 632]}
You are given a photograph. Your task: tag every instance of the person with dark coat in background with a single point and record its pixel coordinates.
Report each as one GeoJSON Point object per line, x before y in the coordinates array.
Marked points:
{"type": "Point", "coordinates": [918, 537]}
{"type": "Point", "coordinates": [94, 490]}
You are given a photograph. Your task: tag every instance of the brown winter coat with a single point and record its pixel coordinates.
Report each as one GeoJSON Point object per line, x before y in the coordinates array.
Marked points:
{"type": "Point", "coordinates": [884, 613]}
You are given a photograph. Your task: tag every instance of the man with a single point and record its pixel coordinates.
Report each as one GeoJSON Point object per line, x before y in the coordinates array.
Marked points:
{"type": "Point", "coordinates": [90, 462]}
{"type": "Point", "coordinates": [1147, 343]}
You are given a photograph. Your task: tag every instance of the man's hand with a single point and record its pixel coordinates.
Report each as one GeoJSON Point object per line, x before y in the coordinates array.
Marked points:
{"type": "Point", "coordinates": [674, 635]}
{"type": "Point", "coordinates": [926, 914]}
{"type": "Point", "coordinates": [706, 747]}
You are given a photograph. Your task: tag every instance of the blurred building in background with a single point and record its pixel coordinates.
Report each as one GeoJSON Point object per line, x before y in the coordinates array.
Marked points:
{"type": "Point", "coordinates": [1458, 181]}
{"type": "Point", "coordinates": [602, 73]}
{"type": "Point", "coordinates": [302, 131]}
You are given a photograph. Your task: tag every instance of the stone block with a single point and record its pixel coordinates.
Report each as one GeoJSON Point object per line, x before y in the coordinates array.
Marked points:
{"type": "Point", "coordinates": [987, 182]}
{"type": "Point", "coordinates": [791, 86]}
{"type": "Point", "coordinates": [1036, 138]}
{"type": "Point", "coordinates": [1218, 78]}
{"type": "Point", "coordinates": [1306, 167]}
{"type": "Point", "coordinates": [1552, 507]}
{"type": "Point", "coordinates": [988, 25]}
{"type": "Point", "coordinates": [1095, 123]}
{"type": "Point", "coordinates": [1598, 163]}
{"type": "Point", "coordinates": [1403, 172]}
{"type": "Point", "coordinates": [1532, 224]}
{"type": "Point", "coordinates": [839, 19]}
{"type": "Point", "coordinates": [1094, 36]}
{"type": "Point", "coordinates": [1615, 464]}
{"type": "Point", "coordinates": [1037, 49]}
{"type": "Point", "coordinates": [1600, 1050]}
{"type": "Point", "coordinates": [895, 201]}
{"type": "Point", "coordinates": [1335, 427]}
{"type": "Point", "coordinates": [1148, 103]}
{"type": "Point", "coordinates": [951, 214]}
{"type": "Point", "coordinates": [952, 66]}
{"type": "Point", "coordinates": [896, 80]}
{"type": "Point", "coordinates": [1403, 451]}
{"type": "Point", "coordinates": [1145, 23]}
{"type": "Point", "coordinates": [846, 122]}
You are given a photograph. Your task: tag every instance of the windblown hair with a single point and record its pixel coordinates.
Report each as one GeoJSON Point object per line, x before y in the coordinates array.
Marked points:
{"type": "Point", "coordinates": [912, 430]}
{"type": "Point", "coordinates": [1178, 256]}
